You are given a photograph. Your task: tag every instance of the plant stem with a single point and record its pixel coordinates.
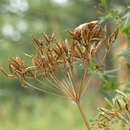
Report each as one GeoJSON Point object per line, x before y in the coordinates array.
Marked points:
{"type": "Point", "coordinates": [83, 116]}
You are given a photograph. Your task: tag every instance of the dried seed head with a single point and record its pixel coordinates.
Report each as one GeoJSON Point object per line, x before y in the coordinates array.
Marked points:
{"type": "Point", "coordinates": [89, 39]}
{"type": "Point", "coordinates": [52, 57]}
{"type": "Point", "coordinates": [16, 65]}
{"type": "Point", "coordinates": [39, 43]}
{"type": "Point", "coordinates": [85, 29]}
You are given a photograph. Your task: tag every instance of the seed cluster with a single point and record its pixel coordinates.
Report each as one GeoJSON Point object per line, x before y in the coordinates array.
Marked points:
{"type": "Point", "coordinates": [53, 56]}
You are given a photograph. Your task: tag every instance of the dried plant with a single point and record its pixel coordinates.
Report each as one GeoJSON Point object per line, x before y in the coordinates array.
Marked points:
{"type": "Point", "coordinates": [117, 112]}
{"type": "Point", "coordinates": [54, 62]}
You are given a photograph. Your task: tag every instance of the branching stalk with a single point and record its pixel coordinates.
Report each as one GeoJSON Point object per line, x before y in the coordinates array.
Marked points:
{"type": "Point", "coordinates": [52, 55]}
{"type": "Point", "coordinates": [83, 115]}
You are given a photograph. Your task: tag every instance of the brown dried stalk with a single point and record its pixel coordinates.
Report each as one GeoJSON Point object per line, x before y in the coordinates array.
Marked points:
{"type": "Point", "coordinates": [54, 62]}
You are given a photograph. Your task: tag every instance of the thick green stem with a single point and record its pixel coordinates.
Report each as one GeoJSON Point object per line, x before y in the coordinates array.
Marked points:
{"type": "Point", "coordinates": [83, 116]}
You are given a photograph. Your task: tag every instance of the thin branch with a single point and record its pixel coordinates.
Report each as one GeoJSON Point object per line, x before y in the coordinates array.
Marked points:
{"type": "Point", "coordinates": [83, 116]}
{"type": "Point", "coordinates": [63, 88]}
{"type": "Point", "coordinates": [6, 74]}
{"type": "Point", "coordinates": [39, 89]}
{"type": "Point", "coordinates": [81, 88]}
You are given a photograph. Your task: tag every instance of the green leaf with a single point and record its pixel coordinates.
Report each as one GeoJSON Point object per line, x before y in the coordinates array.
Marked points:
{"type": "Point", "coordinates": [126, 52]}
{"type": "Point", "coordinates": [104, 3]}
{"type": "Point", "coordinates": [120, 92]}
{"type": "Point", "coordinates": [126, 90]}
{"type": "Point", "coordinates": [112, 71]}
{"type": "Point", "coordinates": [127, 19]}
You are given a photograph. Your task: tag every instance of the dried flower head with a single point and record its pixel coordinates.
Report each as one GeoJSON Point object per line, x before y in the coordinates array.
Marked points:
{"type": "Point", "coordinates": [89, 39]}
{"type": "Point", "coordinates": [53, 58]}
{"type": "Point", "coordinates": [54, 62]}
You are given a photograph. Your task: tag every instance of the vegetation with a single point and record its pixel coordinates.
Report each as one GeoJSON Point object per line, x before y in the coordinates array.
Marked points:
{"type": "Point", "coordinates": [65, 68]}
{"type": "Point", "coordinates": [117, 114]}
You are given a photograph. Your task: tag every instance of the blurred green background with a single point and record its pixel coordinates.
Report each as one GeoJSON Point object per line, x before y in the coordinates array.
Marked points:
{"type": "Point", "coordinates": [26, 109]}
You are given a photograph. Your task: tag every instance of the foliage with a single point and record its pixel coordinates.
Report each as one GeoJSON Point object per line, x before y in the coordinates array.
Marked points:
{"type": "Point", "coordinates": [122, 20]}
{"type": "Point", "coordinates": [116, 112]}
{"type": "Point", "coordinates": [47, 15]}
